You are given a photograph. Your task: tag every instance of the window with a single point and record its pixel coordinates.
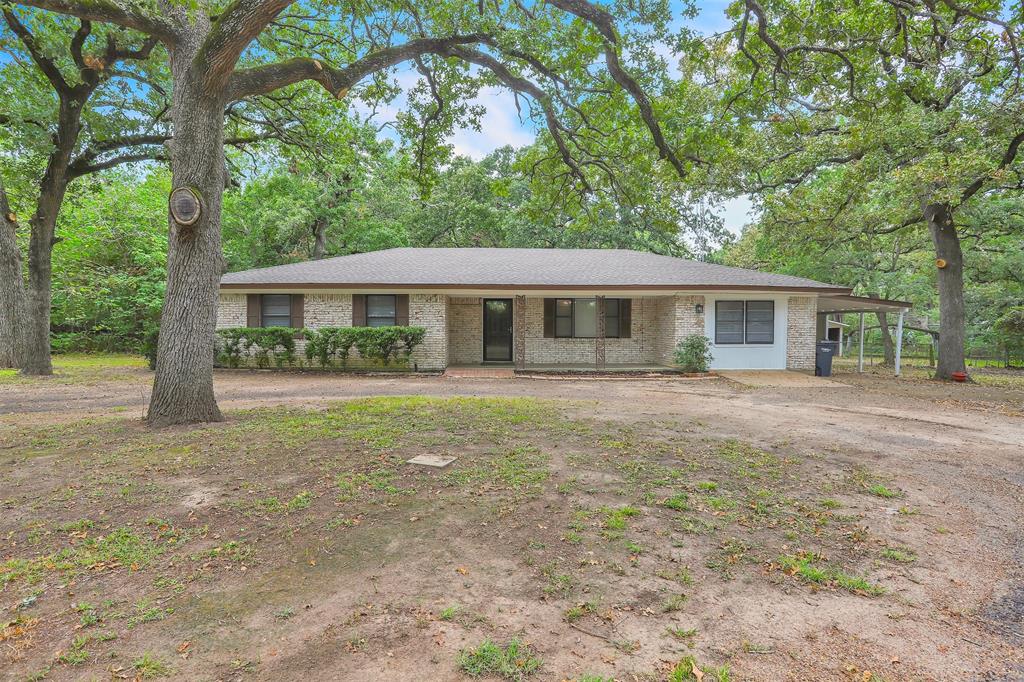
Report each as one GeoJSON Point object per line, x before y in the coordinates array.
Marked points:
{"type": "Point", "coordinates": [611, 318]}
{"type": "Point", "coordinates": [744, 322]}
{"type": "Point", "coordinates": [760, 321]}
{"type": "Point", "coordinates": [563, 318]}
{"type": "Point", "coordinates": [584, 318]}
{"type": "Point", "coordinates": [381, 310]}
{"type": "Point", "coordinates": [276, 310]}
{"type": "Point", "coordinates": [577, 318]}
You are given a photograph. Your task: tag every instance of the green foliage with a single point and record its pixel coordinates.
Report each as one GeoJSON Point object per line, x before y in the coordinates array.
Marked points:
{"type": "Point", "coordinates": [263, 344]}
{"type": "Point", "coordinates": [1010, 332]}
{"type": "Point", "coordinates": [693, 354]}
{"type": "Point", "coordinates": [379, 345]}
{"type": "Point", "coordinates": [515, 661]}
{"type": "Point", "coordinates": [109, 268]}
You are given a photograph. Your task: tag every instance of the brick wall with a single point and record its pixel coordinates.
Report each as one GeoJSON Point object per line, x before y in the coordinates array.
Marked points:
{"type": "Point", "coordinates": [675, 319]}
{"type": "Point", "coordinates": [429, 311]}
{"type": "Point", "coordinates": [465, 330]}
{"type": "Point", "coordinates": [231, 311]}
{"type": "Point", "coordinates": [801, 325]}
{"type": "Point", "coordinates": [335, 310]}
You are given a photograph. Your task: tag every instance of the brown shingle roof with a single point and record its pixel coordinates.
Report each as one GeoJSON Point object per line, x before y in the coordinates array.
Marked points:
{"type": "Point", "coordinates": [515, 268]}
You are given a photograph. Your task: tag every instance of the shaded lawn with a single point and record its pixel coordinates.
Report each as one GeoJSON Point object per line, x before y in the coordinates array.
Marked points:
{"type": "Point", "coordinates": [83, 368]}
{"type": "Point", "coordinates": [183, 551]}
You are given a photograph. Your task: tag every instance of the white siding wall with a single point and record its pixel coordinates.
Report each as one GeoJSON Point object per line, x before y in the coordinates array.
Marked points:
{"type": "Point", "coordinates": [748, 356]}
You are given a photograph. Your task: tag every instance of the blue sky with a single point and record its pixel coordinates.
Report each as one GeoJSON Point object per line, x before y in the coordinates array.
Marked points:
{"type": "Point", "coordinates": [501, 126]}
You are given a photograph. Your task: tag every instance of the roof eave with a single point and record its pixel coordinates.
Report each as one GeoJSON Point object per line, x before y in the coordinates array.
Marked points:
{"type": "Point", "coordinates": [266, 286]}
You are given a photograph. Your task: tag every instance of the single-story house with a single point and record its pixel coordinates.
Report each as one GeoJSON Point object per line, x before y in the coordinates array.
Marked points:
{"type": "Point", "coordinates": [547, 308]}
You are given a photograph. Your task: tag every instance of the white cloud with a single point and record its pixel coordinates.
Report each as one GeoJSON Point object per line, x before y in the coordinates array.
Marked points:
{"type": "Point", "coordinates": [499, 126]}
{"type": "Point", "coordinates": [736, 213]}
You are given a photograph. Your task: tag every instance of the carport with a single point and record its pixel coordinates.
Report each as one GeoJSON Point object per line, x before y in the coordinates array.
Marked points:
{"type": "Point", "coordinates": [833, 305]}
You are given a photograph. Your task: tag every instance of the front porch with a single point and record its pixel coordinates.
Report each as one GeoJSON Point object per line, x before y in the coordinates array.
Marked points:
{"type": "Point", "coordinates": [568, 333]}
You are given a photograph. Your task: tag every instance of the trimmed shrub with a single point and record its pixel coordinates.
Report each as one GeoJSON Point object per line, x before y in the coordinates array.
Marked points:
{"type": "Point", "coordinates": [693, 354]}
{"type": "Point", "coordinates": [379, 345]}
{"type": "Point", "coordinates": [263, 344]}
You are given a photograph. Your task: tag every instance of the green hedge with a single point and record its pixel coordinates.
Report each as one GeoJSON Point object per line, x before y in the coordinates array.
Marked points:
{"type": "Point", "coordinates": [379, 345]}
{"type": "Point", "coordinates": [326, 347]}
{"type": "Point", "coordinates": [263, 344]}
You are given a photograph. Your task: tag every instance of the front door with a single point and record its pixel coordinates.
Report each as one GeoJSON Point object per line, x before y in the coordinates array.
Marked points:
{"type": "Point", "coordinates": [497, 330]}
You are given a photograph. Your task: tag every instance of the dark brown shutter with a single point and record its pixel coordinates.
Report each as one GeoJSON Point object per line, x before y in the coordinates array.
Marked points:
{"type": "Point", "coordinates": [298, 311]}
{"type": "Point", "coordinates": [402, 310]}
{"type": "Point", "coordinates": [253, 305]}
{"type": "Point", "coordinates": [625, 317]}
{"type": "Point", "coordinates": [358, 310]}
{"type": "Point", "coordinates": [549, 318]}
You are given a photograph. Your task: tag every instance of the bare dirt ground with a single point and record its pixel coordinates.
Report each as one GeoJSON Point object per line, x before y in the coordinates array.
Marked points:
{"type": "Point", "coordinates": [615, 527]}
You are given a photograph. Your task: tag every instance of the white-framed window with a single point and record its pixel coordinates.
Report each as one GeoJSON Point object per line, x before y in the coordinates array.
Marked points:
{"type": "Point", "coordinates": [745, 322]}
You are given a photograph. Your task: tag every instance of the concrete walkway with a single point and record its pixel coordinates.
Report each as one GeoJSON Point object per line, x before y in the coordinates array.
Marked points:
{"type": "Point", "coordinates": [778, 378]}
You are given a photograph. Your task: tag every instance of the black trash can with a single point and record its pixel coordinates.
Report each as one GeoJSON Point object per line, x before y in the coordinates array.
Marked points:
{"type": "Point", "coordinates": [823, 352]}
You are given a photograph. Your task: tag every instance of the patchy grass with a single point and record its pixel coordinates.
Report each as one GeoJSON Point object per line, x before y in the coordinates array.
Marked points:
{"type": "Point", "coordinates": [687, 670]}
{"type": "Point", "coordinates": [149, 667]}
{"type": "Point", "coordinates": [581, 522]}
{"type": "Point", "coordinates": [899, 554]}
{"type": "Point", "coordinates": [809, 568]}
{"type": "Point", "coordinates": [514, 661]}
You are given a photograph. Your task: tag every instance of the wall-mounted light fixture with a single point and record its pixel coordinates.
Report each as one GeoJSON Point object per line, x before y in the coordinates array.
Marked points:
{"type": "Point", "coordinates": [700, 308]}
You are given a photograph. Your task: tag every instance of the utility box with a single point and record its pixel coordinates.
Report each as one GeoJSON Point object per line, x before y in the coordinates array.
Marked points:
{"type": "Point", "coordinates": [823, 354]}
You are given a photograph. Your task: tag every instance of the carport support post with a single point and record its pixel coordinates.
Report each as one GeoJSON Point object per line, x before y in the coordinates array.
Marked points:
{"type": "Point", "coordinates": [899, 340]}
{"type": "Point", "coordinates": [860, 343]}
{"type": "Point", "coordinates": [599, 342]}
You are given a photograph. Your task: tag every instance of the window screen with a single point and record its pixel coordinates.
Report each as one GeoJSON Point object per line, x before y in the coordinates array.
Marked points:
{"type": "Point", "coordinates": [380, 310]}
{"type": "Point", "coordinates": [277, 310]}
{"type": "Point", "coordinates": [611, 318]}
{"type": "Point", "coordinates": [584, 318]}
{"type": "Point", "coordinates": [760, 321]}
{"type": "Point", "coordinates": [728, 321]}
{"type": "Point", "coordinates": [563, 318]}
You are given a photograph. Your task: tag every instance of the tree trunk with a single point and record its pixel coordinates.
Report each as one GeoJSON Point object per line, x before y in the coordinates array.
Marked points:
{"type": "Point", "coordinates": [183, 387]}
{"type": "Point", "coordinates": [12, 289]}
{"type": "Point", "coordinates": [36, 358]}
{"type": "Point", "coordinates": [888, 347]}
{"type": "Point", "coordinates": [951, 290]}
{"type": "Point", "coordinates": [319, 238]}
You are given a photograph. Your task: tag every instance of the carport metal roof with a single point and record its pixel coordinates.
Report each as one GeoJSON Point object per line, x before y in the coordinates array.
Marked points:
{"type": "Point", "coordinates": [831, 303]}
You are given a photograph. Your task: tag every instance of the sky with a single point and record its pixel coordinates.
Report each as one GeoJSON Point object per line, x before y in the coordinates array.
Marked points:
{"type": "Point", "coordinates": [501, 125]}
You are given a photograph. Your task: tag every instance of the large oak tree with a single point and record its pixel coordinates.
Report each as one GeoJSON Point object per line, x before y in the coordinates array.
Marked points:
{"type": "Point", "coordinates": [555, 54]}
{"type": "Point", "coordinates": [879, 117]}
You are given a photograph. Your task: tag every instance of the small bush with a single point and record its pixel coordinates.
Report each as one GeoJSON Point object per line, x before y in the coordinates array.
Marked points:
{"type": "Point", "coordinates": [693, 354]}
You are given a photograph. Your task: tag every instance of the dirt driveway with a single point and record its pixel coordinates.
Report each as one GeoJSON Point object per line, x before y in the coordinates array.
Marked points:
{"type": "Point", "coordinates": [898, 555]}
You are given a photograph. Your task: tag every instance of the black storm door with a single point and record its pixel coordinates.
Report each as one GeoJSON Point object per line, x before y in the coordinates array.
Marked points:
{"type": "Point", "coordinates": [497, 330]}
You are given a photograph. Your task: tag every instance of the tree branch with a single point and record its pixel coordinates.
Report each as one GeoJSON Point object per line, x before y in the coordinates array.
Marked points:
{"type": "Point", "coordinates": [45, 64]}
{"type": "Point", "coordinates": [260, 80]}
{"type": "Point", "coordinates": [237, 26]}
{"type": "Point", "coordinates": [605, 25]}
{"type": "Point", "coordinates": [111, 12]}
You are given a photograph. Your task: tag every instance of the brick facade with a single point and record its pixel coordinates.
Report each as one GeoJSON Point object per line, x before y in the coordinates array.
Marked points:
{"type": "Point", "coordinates": [801, 328]}
{"type": "Point", "coordinates": [454, 327]}
{"type": "Point", "coordinates": [335, 310]}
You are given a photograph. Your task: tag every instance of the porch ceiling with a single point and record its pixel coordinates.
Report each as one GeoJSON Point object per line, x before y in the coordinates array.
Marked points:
{"type": "Point", "coordinates": [860, 304]}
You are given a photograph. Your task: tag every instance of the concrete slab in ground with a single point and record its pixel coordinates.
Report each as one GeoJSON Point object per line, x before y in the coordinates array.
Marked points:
{"type": "Point", "coordinates": [772, 378]}
{"type": "Point", "coordinates": [437, 461]}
